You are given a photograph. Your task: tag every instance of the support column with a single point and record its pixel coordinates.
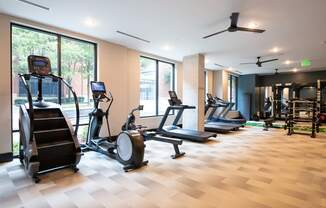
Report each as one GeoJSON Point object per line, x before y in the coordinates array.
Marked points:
{"type": "Point", "coordinates": [194, 91]}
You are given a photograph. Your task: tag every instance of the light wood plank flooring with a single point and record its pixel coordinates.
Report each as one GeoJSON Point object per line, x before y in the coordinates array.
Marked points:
{"type": "Point", "coordinates": [250, 168]}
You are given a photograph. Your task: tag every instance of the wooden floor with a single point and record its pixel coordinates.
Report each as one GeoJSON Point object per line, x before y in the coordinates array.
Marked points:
{"type": "Point", "coordinates": [250, 168]}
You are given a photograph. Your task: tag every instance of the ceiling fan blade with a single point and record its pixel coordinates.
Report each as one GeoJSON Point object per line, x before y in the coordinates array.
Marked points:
{"type": "Point", "coordinates": [246, 63]}
{"type": "Point", "coordinates": [234, 19]}
{"type": "Point", "coordinates": [244, 29]}
{"type": "Point", "coordinates": [268, 61]}
{"type": "Point", "coordinates": [208, 36]}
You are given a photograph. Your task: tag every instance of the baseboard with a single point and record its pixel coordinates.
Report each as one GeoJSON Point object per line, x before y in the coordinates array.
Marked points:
{"type": "Point", "coordinates": [6, 157]}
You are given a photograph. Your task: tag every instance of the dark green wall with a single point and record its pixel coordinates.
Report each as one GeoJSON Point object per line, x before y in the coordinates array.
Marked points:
{"type": "Point", "coordinates": [248, 86]}
{"type": "Point", "coordinates": [246, 95]}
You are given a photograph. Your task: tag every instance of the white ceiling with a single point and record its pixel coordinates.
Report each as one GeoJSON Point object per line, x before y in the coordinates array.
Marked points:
{"type": "Point", "coordinates": [296, 27]}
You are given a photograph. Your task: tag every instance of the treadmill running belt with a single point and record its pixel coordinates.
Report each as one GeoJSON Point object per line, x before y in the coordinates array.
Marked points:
{"type": "Point", "coordinates": [197, 136]}
{"type": "Point", "coordinates": [218, 128]}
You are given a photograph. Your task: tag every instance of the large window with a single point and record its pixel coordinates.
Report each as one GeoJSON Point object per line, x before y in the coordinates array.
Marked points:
{"type": "Point", "coordinates": [233, 90]}
{"type": "Point", "coordinates": [73, 59]}
{"type": "Point", "coordinates": [156, 79]}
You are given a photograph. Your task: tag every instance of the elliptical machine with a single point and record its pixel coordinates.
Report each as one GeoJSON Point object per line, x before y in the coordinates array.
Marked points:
{"type": "Point", "coordinates": [128, 150]}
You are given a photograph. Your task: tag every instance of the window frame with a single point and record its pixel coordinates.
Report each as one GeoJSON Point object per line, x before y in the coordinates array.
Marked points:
{"type": "Point", "coordinates": [59, 43]}
{"type": "Point", "coordinates": [231, 85]}
{"type": "Point", "coordinates": [157, 61]}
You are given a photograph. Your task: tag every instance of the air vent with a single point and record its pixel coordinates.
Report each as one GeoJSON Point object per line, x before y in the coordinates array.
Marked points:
{"type": "Point", "coordinates": [132, 36]}
{"type": "Point", "coordinates": [35, 4]}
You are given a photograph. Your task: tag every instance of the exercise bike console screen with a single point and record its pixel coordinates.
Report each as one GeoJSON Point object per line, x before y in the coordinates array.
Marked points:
{"type": "Point", "coordinates": [98, 87]}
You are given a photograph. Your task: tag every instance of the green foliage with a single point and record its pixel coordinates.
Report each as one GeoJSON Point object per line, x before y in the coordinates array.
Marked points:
{"type": "Point", "coordinates": [76, 56]}
{"type": "Point", "coordinates": [26, 42]}
{"type": "Point", "coordinates": [167, 77]}
{"type": "Point", "coordinates": [82, 134]}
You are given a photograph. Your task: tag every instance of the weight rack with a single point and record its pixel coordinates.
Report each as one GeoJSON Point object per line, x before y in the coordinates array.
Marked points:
{"type": "Point", "coordinates": [302, 111]}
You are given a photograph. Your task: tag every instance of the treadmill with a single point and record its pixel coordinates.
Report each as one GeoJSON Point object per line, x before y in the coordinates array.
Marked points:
{"type": "Point", "coordinates": [216, 126]}
{"type": "Point", "coordinates": [221, 117]}
{"type": "Point", "coordinates": [174, 130]}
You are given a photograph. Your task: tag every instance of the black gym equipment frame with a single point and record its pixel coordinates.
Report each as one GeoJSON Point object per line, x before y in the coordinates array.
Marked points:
{"type": "Point", "coordinates": [151, 135]}
{"type": "Point", "coordinates": [59, 37]}
{"type": "Point", "coordinates": [128, 148]}
{"type": "Point", "coordinates": [174, 130]}
{"type": "Point", "coordinates": [220, 126]}
{"type": "Point", "coordinates": [47, 139]}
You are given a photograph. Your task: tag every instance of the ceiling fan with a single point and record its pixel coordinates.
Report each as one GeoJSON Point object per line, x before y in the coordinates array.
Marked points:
{"type": "Point", "coordinates": [259, 63]}
{"type": "Point", "coordinates": [234, 27]}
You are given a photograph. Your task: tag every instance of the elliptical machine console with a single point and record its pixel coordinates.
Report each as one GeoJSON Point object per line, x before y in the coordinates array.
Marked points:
{"type": "Point", "coordinates": [127, 149]}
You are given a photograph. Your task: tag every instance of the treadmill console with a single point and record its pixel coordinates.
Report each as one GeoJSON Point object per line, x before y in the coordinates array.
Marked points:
{"type": "Point", "coordinates": [174, 100]}
{"type": "Point", "coordinates": [210, 99]}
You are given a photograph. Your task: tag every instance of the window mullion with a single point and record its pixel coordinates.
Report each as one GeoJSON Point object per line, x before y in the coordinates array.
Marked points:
{"type": "Point", "coordinates": [157, 87]}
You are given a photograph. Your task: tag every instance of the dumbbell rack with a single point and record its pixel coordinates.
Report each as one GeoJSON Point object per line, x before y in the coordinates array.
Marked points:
{"type": "Point", "coordinates": [298, 107]}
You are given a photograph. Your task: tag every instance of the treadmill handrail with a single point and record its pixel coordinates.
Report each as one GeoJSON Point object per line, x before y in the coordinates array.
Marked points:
{"type": "Point", "coordinates": [177, 107]}
{"type": "Point", "coordinates": [31, 108]}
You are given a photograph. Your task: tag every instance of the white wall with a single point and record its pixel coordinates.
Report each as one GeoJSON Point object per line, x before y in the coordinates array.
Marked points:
{"type": "Point", "coordinates": [194, 91]}
{"type": "Point", "coordinates": [5, 97]}
{"type": "Point", "coordinates": [210, 82]}
{"type": "Point", "coordinates": [118, 67]}
{"type": "Point", "coordinates": [220, 84]}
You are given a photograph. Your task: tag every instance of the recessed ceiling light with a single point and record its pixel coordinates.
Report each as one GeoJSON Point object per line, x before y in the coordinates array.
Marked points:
{"type": "Point", "coordinates": [90, 22]}
{"type": "Point", "coordinates": [275, 50]}
{"type": "Point", "coordinates": [167, 47]}
{"type": "Point", "coordinates": [287, 62]}
{"type": "Point", "coordinates": [207, 61]}
{"type": "Point", "coordinates": [252, 25]}
{"type": "Point", "coordinates": [295, 70]}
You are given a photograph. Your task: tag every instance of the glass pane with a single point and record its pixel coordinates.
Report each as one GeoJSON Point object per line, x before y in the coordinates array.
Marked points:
{"type": "Point", "coordinates": [77, 68]}
{"type": "Point", "coordinates": [82, 134]}
{"type": "Point", "coordinates": [27, 42]}
{"type": "Point", "coordinates": [148, 86]}
{"type": "Point", "coordinates": [234, 91]}
{"type": "Point", "coordinates": [165, 84]}
{"type": "Point", "coordinates": [15, 143]}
